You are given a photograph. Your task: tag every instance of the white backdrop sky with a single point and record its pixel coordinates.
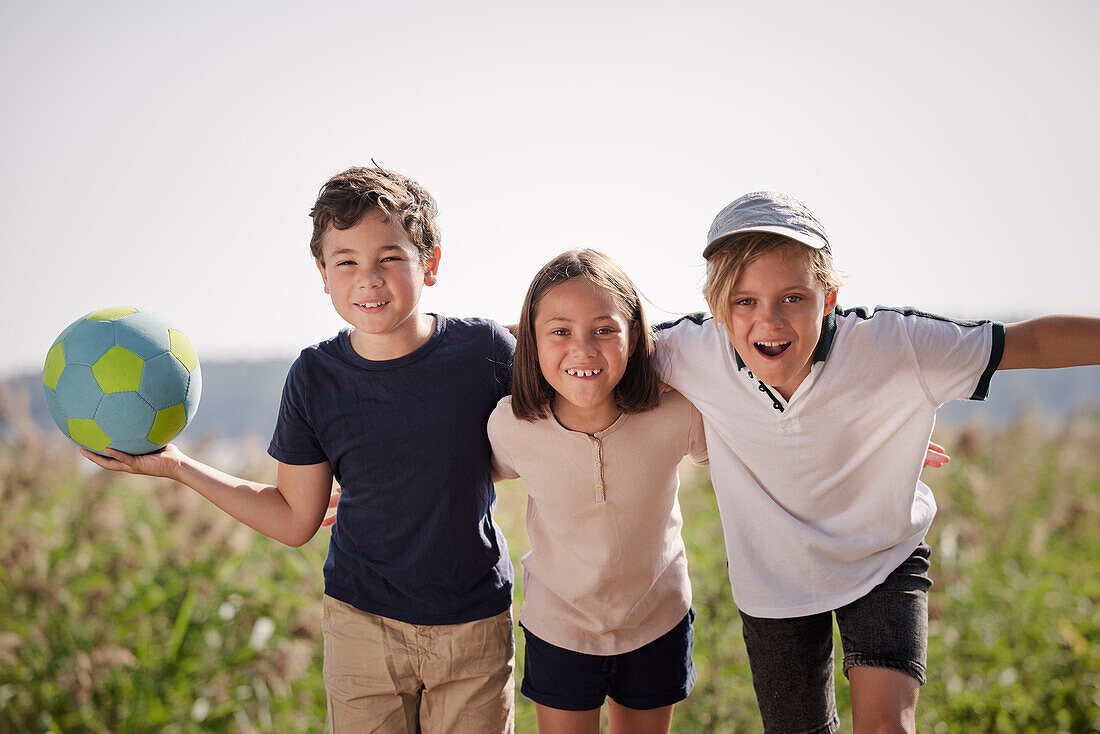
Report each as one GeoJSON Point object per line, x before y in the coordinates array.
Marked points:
{"type": "Point", "coordinates": [165, 155]}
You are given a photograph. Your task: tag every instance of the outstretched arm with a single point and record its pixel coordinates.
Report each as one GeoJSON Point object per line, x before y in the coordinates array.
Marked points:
{"type": "Point", "coordinates": [289, 512]}
{"type": "Point", "coordinates": [1051, 341]}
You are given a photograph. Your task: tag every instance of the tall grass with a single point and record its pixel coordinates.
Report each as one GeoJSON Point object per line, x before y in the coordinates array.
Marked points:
{"type": "Point", "coordinates": [130, 605]}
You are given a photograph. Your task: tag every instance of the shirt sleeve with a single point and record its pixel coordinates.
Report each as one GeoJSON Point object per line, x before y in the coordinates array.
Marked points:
{"type": "Point", "coordinates": [498, 437]}
{"type": "Point", "coordinates": [956, 358]}
{"type": "Point", "coordinates": [697, 441]}
{"type": "Point", "coordinates": [672, 336]}
{"type": "Point", "coordinates": [665, 353]}
{"type": "Point", "coordinates": [504, 350]}
{"type": "Point", "coordinates": [294, 440]}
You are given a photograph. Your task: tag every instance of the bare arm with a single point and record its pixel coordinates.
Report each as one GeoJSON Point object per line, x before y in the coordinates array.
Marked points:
{"type": "Point", "coordinates": [1051, 341]}
{"type": "Point", "coordinates": [290, 512]}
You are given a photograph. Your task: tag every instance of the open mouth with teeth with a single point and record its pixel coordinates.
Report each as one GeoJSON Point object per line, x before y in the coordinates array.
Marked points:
{"type": "Point", "coordinates": [583, 373]}
{"type": "Point", "coordinates": [372, 304]}
{"type": "Point", "coordinates": [771, 349]}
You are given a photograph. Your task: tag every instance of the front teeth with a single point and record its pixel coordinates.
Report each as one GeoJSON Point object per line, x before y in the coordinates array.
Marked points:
{"type": "Point", "coordinates": [583, 373]}
{"type": "Point", "coordinates": [375, 304]}
{"type": "Point", "coordinates": [771, 344]}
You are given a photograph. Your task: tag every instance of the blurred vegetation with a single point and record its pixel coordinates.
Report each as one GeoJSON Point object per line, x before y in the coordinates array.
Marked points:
{"type": "Point", "coordinates": [131, 605]}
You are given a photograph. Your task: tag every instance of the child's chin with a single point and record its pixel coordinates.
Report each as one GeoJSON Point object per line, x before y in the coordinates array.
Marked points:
{"type": "Point", "coordinates": [768, 372]}
{"type": "Point", "coordinates": [761, 365]}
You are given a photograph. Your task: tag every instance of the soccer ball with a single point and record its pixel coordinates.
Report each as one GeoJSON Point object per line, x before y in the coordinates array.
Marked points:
{"type": "Point", "coordinates": [120, 378]}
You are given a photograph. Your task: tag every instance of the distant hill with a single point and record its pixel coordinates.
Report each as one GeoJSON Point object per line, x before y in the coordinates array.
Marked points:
{"type": "Point", "coordinates": [1051, 395]}
{"type": "Point", "coordinates": [240, 400]}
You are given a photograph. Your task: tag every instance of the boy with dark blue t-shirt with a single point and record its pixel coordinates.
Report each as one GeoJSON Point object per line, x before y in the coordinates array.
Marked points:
{"type": "Point", "coordinates": [397, 433]}
{"type": "Point", "coordinates": [418, 585]}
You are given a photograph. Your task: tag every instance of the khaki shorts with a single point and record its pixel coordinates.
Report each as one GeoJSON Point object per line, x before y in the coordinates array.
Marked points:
{"type": "Point", "coordinates": [382, 675]}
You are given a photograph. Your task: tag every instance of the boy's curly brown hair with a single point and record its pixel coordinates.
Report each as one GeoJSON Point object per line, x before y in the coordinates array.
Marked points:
{"type": "Point", "coordinates": [347, 197]}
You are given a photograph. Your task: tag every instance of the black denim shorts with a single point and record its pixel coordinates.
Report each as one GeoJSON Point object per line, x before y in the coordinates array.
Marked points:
{"type": "Point", "coordinates": [792, 659]}
{"type": "Point", "coordinates": [655, 675]}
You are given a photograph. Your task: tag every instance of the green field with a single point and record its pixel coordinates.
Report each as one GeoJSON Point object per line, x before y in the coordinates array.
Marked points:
{"type": "Point", "coordinates": [130, 605]}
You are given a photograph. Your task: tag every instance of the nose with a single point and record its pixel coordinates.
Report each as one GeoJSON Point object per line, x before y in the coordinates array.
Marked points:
{"type": "Point", "coordinates": [771, 314]}
{"type": "Point", "coordinates": [370, 277]}
{"type": "Point", "coordinates": [585, 344]}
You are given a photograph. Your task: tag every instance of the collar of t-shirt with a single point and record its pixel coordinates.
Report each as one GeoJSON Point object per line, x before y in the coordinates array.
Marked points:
{"type": "Point", "coordinates": [824, 344]}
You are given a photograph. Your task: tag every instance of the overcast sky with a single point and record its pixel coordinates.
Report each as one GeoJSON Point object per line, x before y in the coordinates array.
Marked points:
{"type": "Point", "coordinates": [166, 155]}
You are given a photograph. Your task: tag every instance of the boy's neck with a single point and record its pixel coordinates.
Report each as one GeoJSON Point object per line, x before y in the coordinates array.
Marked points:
{"type": "Point", "coordinates": [397, 343]}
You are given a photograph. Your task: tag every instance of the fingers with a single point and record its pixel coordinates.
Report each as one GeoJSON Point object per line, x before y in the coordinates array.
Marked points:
{"type": "Point", "coordinates": [114, 461]}
{"type": "Point", "coordinates": [935, 459]}
{"type": "Point", "coordinates": [333, 500]}
{"type": "Point", "coordinates": [936, 455]}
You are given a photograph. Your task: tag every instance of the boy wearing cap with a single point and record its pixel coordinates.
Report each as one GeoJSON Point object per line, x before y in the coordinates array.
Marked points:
{"type": "Point", "coordinates": [817, 419]}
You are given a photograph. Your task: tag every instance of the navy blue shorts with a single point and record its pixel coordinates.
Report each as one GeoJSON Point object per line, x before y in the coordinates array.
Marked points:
{"type": "Point", "coordinates": [655, 675]}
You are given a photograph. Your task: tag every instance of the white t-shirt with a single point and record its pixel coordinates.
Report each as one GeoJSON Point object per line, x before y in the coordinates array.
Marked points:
{"type": "Point", "coordinates": [820, 496]}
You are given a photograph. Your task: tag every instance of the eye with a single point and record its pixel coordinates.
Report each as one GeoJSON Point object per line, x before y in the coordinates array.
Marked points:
{"type": "Point", "coordinates": [345, 262]}
{"type": "Point", "coordinates": [391, 258]}
{"type": "Point", "coordinates": [743, 302]}
{"type": "Point", "coordinates": [793, 298]}
{"type": "Point", "coordinates": [605, 330]}
{"type": "Point", "coordinates": [560, 332]}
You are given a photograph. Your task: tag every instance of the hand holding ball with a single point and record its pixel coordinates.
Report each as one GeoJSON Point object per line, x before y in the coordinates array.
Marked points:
{"type": "Point", "coordinates": [120, 378]}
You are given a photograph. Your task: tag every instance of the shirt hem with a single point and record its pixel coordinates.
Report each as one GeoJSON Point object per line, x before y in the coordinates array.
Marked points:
{"type": "Point", "coordinates": [620, 649]}
{"type": "Point", "coordinates": [834, 602]}
{"type": "Point", "coordinates": [295, 459]}
{"type": "Point", "coordinates": [382, 610]}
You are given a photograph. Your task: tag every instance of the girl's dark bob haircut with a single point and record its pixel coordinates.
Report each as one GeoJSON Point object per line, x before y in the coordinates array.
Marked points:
{"type": "Point", "coordinates": [639, 388]}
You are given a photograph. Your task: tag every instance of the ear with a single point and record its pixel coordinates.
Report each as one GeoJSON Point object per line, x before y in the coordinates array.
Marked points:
{"type": "Point", "coordinates": [830, 303]}
{"type": "Point", "coordinates": [432, 269]}
{"type": "Point", "coordinates": [324, 276]}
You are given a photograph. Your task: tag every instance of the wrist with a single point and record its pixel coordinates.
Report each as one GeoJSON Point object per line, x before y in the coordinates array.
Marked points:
{"type": "Point", "coordinates": [181, 468]}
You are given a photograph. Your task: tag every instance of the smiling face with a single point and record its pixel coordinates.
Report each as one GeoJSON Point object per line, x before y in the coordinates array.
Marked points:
{"type": "Point", "coordinates": [774, 317]}
{"type": "Point", "coordinates": [584, 342]}
{"type": "Point", "coordinates": [374, 276]}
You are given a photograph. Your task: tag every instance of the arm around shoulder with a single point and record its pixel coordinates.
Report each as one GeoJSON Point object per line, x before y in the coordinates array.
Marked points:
{"type": "Point", "coordinates": [498, 430]}
{"type": "Point", "coordinates": [1048, 342]}
{"type": "Point", "coordinates": [697, 441]}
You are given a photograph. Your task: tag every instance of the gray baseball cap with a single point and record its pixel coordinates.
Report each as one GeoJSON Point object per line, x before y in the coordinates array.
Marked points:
{"type": "Point", "coordinates": [767, 211]}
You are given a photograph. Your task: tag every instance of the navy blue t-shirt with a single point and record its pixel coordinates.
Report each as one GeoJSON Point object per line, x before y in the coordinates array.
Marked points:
{"type": "Point", "coordinates": [414, 538]}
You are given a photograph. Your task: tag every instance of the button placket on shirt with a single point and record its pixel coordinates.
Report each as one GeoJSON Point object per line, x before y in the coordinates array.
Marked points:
{"type": "Point", "coordinates": [597, 466]}
{"type": "Point", "coordinates": [785, 416]}
{"type": "Point", "coordinates": [767, 393]}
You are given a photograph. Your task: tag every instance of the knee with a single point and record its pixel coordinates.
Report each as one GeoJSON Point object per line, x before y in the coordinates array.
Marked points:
{"type": "Point", "coordinates": [883, 727]}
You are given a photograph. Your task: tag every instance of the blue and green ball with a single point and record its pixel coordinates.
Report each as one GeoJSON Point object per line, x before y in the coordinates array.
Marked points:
{"type": "Point", "coordinates": [119, 378]}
